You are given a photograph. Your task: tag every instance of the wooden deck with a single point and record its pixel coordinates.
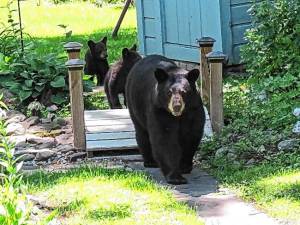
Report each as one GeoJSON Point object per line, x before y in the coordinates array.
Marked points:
{"type": "Point", "coordinates": [114, 130]}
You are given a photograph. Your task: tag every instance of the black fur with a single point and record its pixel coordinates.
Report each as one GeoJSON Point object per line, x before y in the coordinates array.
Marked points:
{"type": "Point", "coordinates": [115, 79]}
{"type": "Point", "coordinates": [164, 139]}
{"type": "Point", "coordinates": [96, 60]}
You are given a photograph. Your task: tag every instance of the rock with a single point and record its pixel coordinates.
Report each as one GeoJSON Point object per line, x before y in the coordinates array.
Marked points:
{"type": "Point", "coordinates": [288, 145]}
{"type": "Point", "coordinates": [8, 97]}
{"type": "Point", "coordinates": [27, 157]}
{"type": "Point", "coordinates": [262, 96]}
{"type": "Point", "coordinates": [78, 155]}
{"type": "Point", "coordinates": [296, 112]}
{"type": "Point", "coordinates": [34, 120]}
{"type": "Point", "coordinates": [39, 140]}
{"type": "Point", "coordinates": [46, 120]}
{"type": "Point", "coordinates": [44, 154]}
{"type": "Point", "coordinates": [15, 129]}
{"type": "Point", "coordinates": [3, 115]}
{"type": "Point", "coordinates": [52, 108]}
{"type": "Point", "coordinates": [250, 162]}
{"type": "Point", "coordinates": [51, 116]}
{"type": "Point", "coordinates": [231, 156]}
{"type": "Point", "coordinates": [47, 145]}
{"type": "Point", "coordinates": [64, 139]}
{"type": "Point", "coordinates": [26, 151]}
{"type": "Point", "coordinates": [60, 121]}
{"type": "Point", "coordinates": [17, 118]}
{"type": "Point", "coordinates": [261, 149]}
{"type": "Point", "coordinates": [64, 148]}
{"type": "Point", "coordinates": [296, 129]}
{"type": "Point", "coordinates": [221, 152]}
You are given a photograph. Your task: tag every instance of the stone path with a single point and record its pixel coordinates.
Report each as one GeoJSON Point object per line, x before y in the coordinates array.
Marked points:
{"type": "Point", "coordinates": [216, 207]}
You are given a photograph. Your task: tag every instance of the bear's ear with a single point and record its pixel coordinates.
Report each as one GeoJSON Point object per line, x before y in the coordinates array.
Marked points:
{"type": "Point", "coordinates": [125, 52]}
{"type": "Point", "coordinates": [160, 75]}
{"type": "Point", "coordinates": [104, 40]}
{"type": "Point", "coordinates": [91, 44]}
{"type": "Point", "coordinates": [193, 75]}
{"type": "Point", "coordinates": [133, 48]}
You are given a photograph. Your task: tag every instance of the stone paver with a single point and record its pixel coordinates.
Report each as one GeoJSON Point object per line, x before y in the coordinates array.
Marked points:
{"type": "Point", "coordinates": [216, 207]}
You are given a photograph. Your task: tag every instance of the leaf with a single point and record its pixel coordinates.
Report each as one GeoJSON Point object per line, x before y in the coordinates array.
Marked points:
{"type": "Point", "coordinates": [58, 98]}
{"type": "Point", "coordinates": [28, 83]}
{"type": "Point", "coordinates": [58, 82]}
{"type": "Point", "coordinates": [23, 95]}
{"type": "Point", "coordinates": [19, 166]}
{"type": "Point", "coordinates": [62, 26]}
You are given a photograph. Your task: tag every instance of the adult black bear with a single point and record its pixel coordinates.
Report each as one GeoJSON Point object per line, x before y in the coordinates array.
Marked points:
{"type": "Point", "coordinates": [115, 79]}
{"type": "Point", "coordinates": [167, 113]}
{"type": "Point", "coordinates": [96, 60]}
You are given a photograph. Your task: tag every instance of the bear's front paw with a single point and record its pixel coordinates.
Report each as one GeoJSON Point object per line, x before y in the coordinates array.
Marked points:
{"type": "Point", "coordinates": [150, 164]}
{"type": "Point", "coordinates": [176, 180]}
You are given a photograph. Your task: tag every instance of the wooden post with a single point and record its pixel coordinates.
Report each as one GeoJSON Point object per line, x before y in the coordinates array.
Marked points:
{"type": "Point", "coordinates": [73, 50]}
{"type": "Point", "coordinates": [206, 46]}
{"type": "Point", "coordinates": [216, 60]}
{"type": "Point", "coordinates": [75, 67]}
{"type": "Point", "coordinates": [116, 29]}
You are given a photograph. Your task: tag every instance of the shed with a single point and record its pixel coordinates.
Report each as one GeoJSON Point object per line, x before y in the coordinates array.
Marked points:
{"type": "Point", "coordinates": [172, 27]}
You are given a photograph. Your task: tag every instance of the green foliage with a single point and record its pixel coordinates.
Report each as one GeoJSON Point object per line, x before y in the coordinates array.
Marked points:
{"type": "Point", "coordinates": [14, 205]}
{"type": "Point", "coordinates": [37, 77]}
{"type": "Point", "coordinates": [274, 41]}
{"type": "Point", "coordinates": [10, 33]}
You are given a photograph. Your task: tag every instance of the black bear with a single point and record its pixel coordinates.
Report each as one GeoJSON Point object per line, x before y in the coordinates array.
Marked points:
{"type": "Point", "coordinates": [96, 60]}
{"type": "Point", "coordinates": [115, 79]}
{"type": "Point", "coordinates": [167, 113]}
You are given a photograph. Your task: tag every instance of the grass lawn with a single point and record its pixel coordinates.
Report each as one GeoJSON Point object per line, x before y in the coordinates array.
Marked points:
{"type": "Point", "coordinates": [93, 195]}
{"type": "Point", "coordinates": [84, 19]}
{"type": "Point", "coordinates": [274, 186]}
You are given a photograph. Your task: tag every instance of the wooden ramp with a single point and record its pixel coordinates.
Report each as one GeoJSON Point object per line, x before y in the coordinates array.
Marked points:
{"type": "Point", "coordinates": [108, 130]}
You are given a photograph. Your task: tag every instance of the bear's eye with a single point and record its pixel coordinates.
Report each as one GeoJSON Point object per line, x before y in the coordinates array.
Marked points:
{"type": "Point", "coordinates": [169, 93]}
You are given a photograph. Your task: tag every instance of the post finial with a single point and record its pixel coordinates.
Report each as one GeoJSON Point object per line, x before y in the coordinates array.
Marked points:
{"type": "Point", "coordinates": [75, 64]}
{"type": "Point", "coordinates": [206, 41]}
{"type": "Point", "coordinates": [216, 57]}
{"type": "Point", "coordinates": [73, 47]}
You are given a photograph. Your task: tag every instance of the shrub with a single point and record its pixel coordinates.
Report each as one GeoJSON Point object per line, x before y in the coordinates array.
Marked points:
{"type": "Point", "coordinates": [37, 77]}
{"type": "Point", "coordinates": [259, 109]}
{"type": "Point", "coordinates": [273, 47]}
{"type": "Point", "coordinates": [14, 205]}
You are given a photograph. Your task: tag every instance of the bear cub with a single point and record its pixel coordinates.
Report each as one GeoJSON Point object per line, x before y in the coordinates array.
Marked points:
{"type": "Point", "coordinates": [116, 77]}
{"type": "Point", "coordinates": [167, 113]}
{"type": "Point", "coordinates": [96, 60]}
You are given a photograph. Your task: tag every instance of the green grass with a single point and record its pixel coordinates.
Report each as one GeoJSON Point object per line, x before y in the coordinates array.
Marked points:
{"type": "Point", "coordinates": [274, 186]}
{"type": "Point", "coordinates": [93, 195]}
{"type": "Point", "coordinates": [84, 19]}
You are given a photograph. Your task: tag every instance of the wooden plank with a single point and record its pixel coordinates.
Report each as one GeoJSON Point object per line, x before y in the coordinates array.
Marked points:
{"type": "Point", "coordinates": [111, 144]}
{"type": "Point", "coordinates": [121, 128]}
{"type": "Point", "coordinates": [171, 22]}
{"type": "Point", "coordinates": [150, 27]}
{"type": "Point", "coordinates": [106, 114]}
{"type": "Point", "coordinates": [111, 122]}
{"type": "Point", "coordinates": [139, 4]}
{"type": "Point", "coordinates": [205, 75]}
{"type": "Point", "coordinates": [216, 96]}
{"type": "Point", "coordinates": [110, 136]}
{"type": "Point", "coordinates": [77, 107]}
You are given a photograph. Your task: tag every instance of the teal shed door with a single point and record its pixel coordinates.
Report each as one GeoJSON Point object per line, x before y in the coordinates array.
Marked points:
{"type": "Point", "coordinates": [172, 27]}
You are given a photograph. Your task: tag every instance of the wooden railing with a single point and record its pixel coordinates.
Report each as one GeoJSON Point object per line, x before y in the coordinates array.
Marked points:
{"type": "Point", "coordinates": [211, 87]}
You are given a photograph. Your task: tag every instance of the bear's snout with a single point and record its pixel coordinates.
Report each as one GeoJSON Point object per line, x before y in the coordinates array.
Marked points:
{"type": "Point", "coordinates": [176, 105]}
{"type": "Point", "coordinates": [103, 55]}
